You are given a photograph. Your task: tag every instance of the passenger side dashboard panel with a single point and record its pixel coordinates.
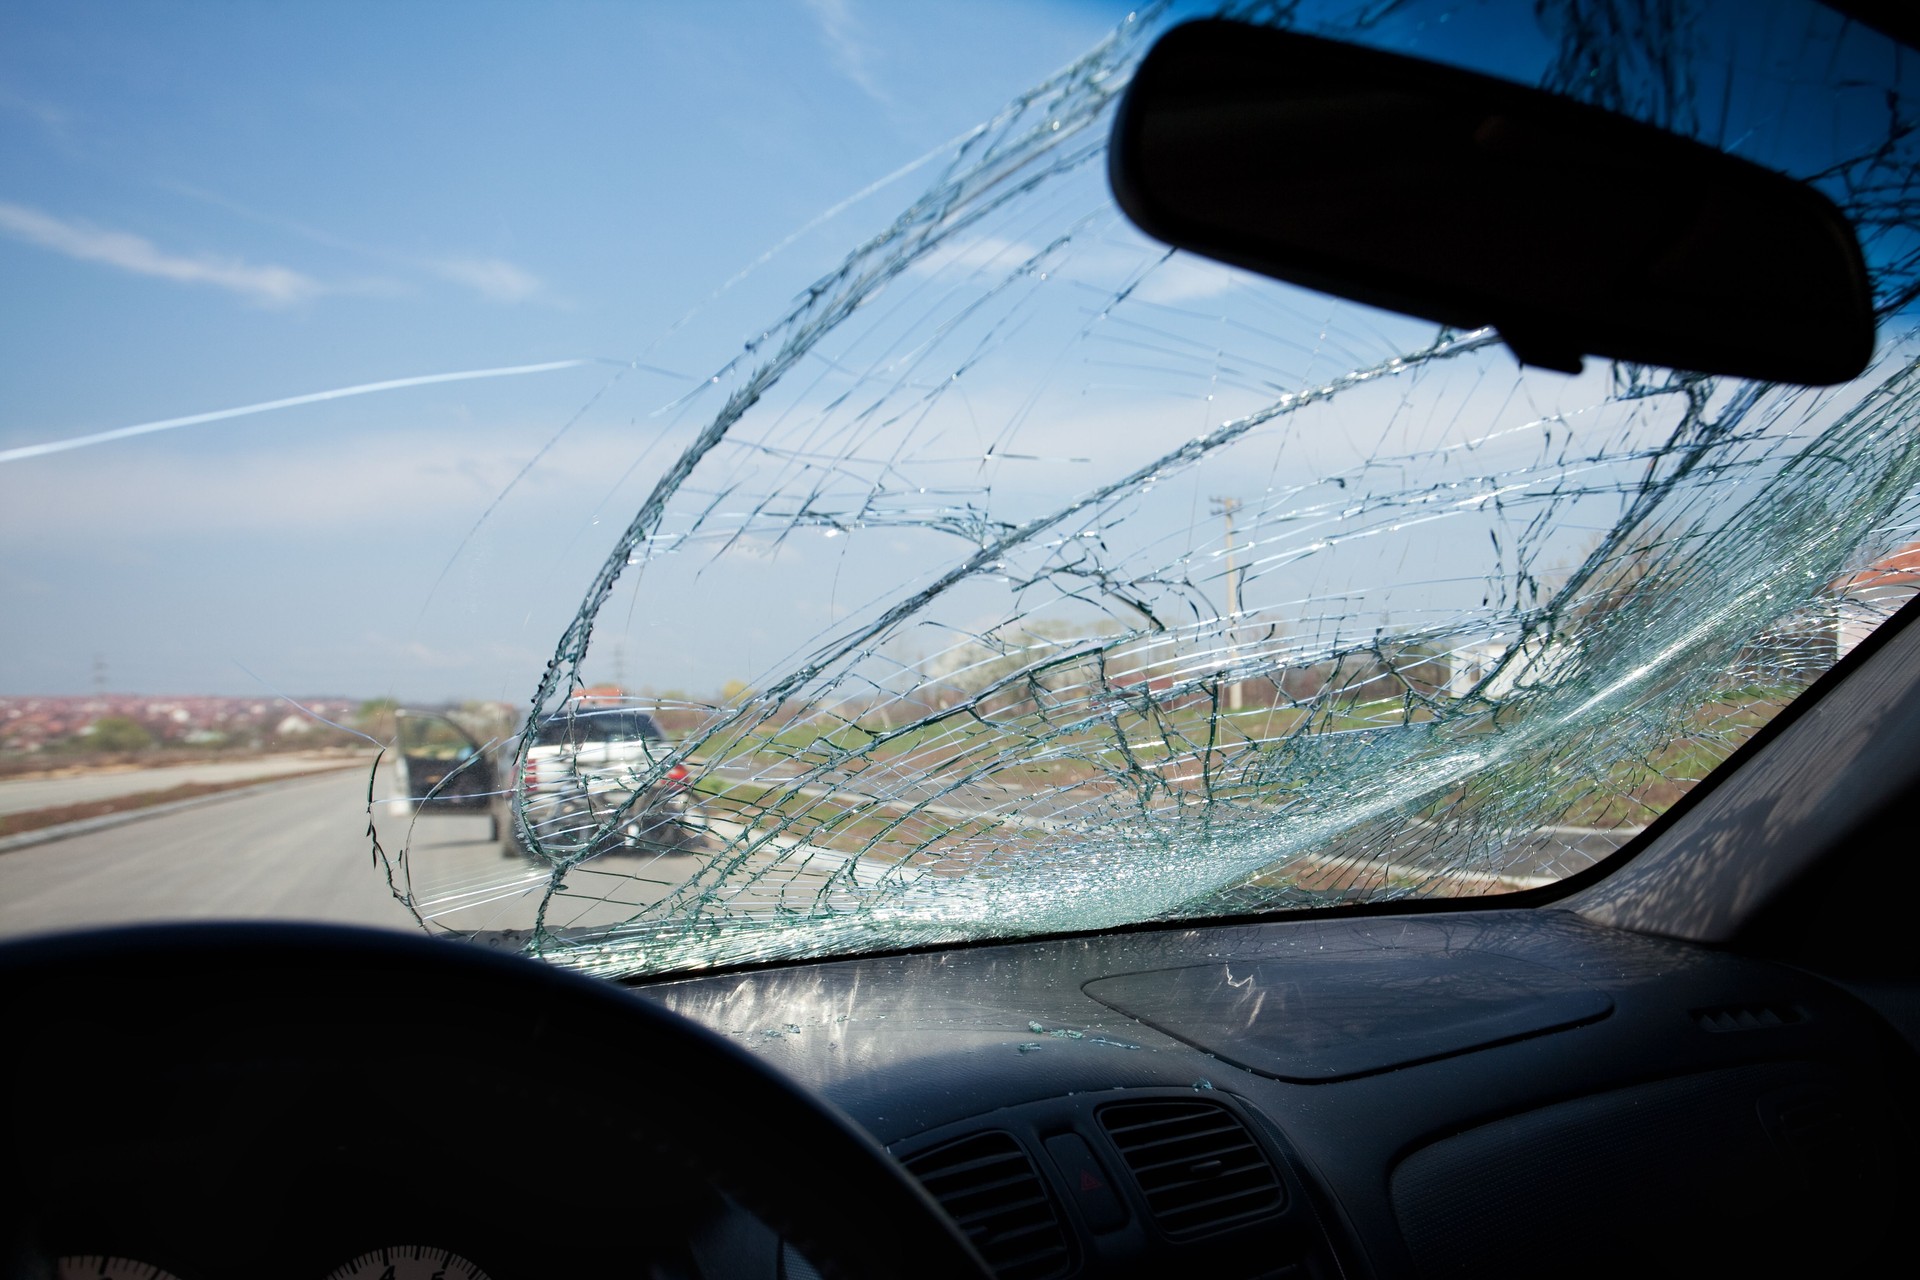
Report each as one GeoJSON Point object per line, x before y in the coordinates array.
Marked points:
{"type": "Point", "coordinates": [1615, 1104]}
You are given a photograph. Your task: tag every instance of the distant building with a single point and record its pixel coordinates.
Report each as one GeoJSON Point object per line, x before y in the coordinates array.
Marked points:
{"type": "Point", "coordinates": [1862, 601]}
{"type": "Point", "coordinates": [1471, 663]}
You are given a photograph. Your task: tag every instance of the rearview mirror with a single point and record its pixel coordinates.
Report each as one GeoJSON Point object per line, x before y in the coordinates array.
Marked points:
{"type": "Point", "coordinates": [1471, 201]}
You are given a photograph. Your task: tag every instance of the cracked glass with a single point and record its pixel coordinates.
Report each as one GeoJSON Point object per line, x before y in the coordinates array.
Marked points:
{"type": "Point", "coordinates": [1138, 588]}
{"type": "Point", "coordinates": [958, 563]}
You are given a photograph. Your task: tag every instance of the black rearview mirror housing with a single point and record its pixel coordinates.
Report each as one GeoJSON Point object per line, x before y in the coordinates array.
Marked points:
{"type": "Point", "coordinates": [1471, 201]}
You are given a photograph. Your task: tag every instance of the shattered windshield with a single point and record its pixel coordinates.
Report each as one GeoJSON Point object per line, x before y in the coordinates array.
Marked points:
{"type": "Point", "coordinates": [568, 726]}
{"type": "Point", "coordinates": [967, 565]}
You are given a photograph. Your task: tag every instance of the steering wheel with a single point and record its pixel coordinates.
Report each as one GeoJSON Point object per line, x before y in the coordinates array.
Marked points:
{"type": "Point", "coordinates": [97, 1017]}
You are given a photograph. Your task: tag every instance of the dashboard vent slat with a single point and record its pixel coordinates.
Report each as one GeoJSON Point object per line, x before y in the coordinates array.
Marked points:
{"type": "Point", "coordinates": [1195, 1163]}
{"type": "Point", "coordinates": [988, 1185]}
{"type": "Point", "coordinates": [1747, 1017]}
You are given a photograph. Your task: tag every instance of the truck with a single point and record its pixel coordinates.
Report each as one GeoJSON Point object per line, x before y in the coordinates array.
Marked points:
{"type": "Point", "coordinates": [586, 762]}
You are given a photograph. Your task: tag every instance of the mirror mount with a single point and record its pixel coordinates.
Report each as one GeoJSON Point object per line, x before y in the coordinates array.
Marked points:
{"type": "Point", "coordinates": [1540, 353]}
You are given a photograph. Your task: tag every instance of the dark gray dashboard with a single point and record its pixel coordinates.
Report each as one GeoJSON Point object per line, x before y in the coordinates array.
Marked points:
{"type": "Point", "coordinates": [1475, 1092]}
{"type": "Point", "coordinates": [1488, 1092]}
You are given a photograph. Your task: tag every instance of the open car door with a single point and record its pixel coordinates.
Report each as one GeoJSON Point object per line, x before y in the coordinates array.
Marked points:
{"type": "Point", "coordinates": [441, 769]}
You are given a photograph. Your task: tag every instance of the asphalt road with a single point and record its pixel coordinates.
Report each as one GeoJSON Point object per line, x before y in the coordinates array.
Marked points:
{"type": "Point", "coordinates": [17, 795]}
{"type": "Point", "coordinates": [298, 850]}
{"type": "Point", "coordinates": [293, 851]}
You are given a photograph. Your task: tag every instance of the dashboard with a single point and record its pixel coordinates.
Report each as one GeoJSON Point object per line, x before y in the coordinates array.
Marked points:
{"type": "Point", "coordinates": [1490, 1092]}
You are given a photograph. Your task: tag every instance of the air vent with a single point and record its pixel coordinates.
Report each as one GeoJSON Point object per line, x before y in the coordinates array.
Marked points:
{"type": "Point", "coordinates": [1196, 1164]}
{"type": "Point", "coordinates": [1747, 1017]}
{"type": "Point", "coordinates": [988, 1185]}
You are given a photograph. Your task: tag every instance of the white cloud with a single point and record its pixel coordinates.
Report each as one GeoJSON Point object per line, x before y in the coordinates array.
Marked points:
{"type": "Point", "coordinates": [54, 119]}
{"type": "Point", "coordinates": [1187, 279]}
{"type": "Point", "coordinates": [852, 55]}
{"type": "Point", "coordinates": [1181, 278]}
{"type": "Point", "coordinates": [491, 278]}
{"type": "Point", "coordinates": [309, 481]}
{"type": "Point", "coordinates": [759, 547]}
{"type": "Point", "coordinates": [268, 284]}
{"type": "Point", "coordinates": [987, 253]}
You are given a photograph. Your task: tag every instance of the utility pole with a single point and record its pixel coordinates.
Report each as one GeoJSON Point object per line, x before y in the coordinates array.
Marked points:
{"type": "Point", "coordinates": [1225, 507]}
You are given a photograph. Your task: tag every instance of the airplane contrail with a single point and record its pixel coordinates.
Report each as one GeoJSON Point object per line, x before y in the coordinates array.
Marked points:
{"type": "Point", "coordinates": [25, 451]}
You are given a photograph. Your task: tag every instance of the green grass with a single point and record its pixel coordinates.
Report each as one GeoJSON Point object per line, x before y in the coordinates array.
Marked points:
{"type": "Point", "coordinates": [1629, 792]}
{"type": "Point", "coordinates": [856, 826]}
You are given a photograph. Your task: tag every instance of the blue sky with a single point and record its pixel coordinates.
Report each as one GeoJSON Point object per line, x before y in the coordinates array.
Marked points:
{"type": "Point", "coordinates": [204, 207]}
{"type": "Point", "coordinates": [207, 206]}
{"type": "Point", "coordinates": [357, 190]}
